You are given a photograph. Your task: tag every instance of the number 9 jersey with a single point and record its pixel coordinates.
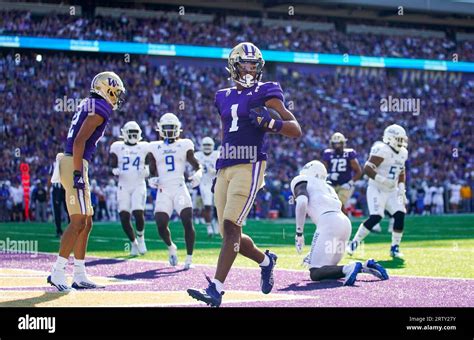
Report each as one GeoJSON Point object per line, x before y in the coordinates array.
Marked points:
{"type": "Point", "coordinates": [171, 160]}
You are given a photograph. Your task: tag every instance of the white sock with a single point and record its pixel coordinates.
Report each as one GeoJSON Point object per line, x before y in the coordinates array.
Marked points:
{"type": "Point", "coordinates": [135, 242]}
{"type": "Point", "coordinates": [140, 234]}
{"type": "Point", "coordinates": [60, 263]}
{"type": "Point", "coordinates": [79, 266]}
{"type": "Point", "coordinates": [362, 233]}
{"type": "Point", "coordinates": [346, 269]}
{"type": "Point", "coordinates": [172, 249]}
{"type": "Point", "coordinates": [189, 258]}
{"type": "Point", "coordinates": [396, 238]}
{"type": "Point", "coordinates": [209, 228]}
{"type": "Point", "coordinates": [265, 262]}
{"type": "Point", "coordinates": [219, 285]}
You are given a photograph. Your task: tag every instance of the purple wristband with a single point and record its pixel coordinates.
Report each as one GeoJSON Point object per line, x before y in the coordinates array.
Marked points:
{"type": "Point", "coordinates": [276, 126]}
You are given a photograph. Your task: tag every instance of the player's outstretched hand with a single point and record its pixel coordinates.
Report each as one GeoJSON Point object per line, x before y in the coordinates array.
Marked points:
{"type": "Point", "coordinates": [299, 243]}
{"type": "Point", "coordinates": [116, 171]}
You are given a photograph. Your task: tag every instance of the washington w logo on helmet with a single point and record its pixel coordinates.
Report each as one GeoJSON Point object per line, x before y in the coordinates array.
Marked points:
{"type": "Point", "coordinates": [112, 82]}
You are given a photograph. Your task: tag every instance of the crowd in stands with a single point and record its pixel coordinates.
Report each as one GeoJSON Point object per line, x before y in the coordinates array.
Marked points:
{"type": "Point", "coordinates": [178, 30]}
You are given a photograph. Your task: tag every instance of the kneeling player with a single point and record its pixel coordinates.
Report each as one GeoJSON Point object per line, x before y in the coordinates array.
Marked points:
{"type": "Point", "coordinates": [169, 157]}
{"type": "Point", "coordinates": [207, 157]}
{"type": "Point", "coordinates": [319, 200]}
{"type": "Point", "coordinates": [386, 190]}
{"type": "Point", "coordinates": [128, 161]}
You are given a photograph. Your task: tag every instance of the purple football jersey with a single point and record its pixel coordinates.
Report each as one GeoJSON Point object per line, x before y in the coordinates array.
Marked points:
{"type": "Point", "coordinates": [243, 142]}
{"type": "Point", "coordinates": [89, 106]}
{"type": "Point", "coordinates": [339, 165]}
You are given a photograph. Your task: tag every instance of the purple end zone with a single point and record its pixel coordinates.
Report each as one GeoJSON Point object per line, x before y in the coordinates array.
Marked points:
{"type": "Point", "coordinates": [399, 291]}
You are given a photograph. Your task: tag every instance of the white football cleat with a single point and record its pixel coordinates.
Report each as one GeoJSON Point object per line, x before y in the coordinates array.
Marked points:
{"type": "Point", "coordinates": [58, 279]}
{"type": "Point", "coordinates": [188, 264]}
{"type": "Point", "coordinates": [377, 228]}
{"type": "Point", "coordinates": [351, 276]}
{"type": "Point", "coordinates": [134, 250]}
{"type": "Point", "coordinates": [395, 252]}
{"type": "Point", "coordinates": [173, 256]}
{"type": "Point", "coordinates": [81, 281]}
{"type": "Point", "coordinates": [141, 245]}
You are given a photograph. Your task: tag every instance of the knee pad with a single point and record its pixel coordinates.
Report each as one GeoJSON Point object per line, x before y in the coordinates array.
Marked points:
{"type": "Point", "coordinates": [399, 221]}
{"type": "Point", "coordinates": [372, 221]}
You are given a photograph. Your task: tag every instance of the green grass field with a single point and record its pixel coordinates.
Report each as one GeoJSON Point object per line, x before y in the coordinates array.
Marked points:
{"type": "Point", "coordinates": [440, 246]}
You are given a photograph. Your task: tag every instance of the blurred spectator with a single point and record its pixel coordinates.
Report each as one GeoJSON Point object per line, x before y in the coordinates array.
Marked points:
{"type": "Point", "coordinates": [16, 192]}
{"type": "Point", "coordinates": [466, 195]}
{"type": "Point", "coordinates": [4, 199]}
{"type": "Point", "coordinates": [455, 199]}
{"type": "Point", "coordinates": [40, 198]}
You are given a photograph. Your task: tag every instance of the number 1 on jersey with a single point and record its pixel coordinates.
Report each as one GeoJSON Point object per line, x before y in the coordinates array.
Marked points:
{"type": "Point", "coordinates": [233, 110]}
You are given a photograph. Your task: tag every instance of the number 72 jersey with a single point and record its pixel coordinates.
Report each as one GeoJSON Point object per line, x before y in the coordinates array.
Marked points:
{"type": "Point", "coordinates": [131, 161]}
{"type": "Point", "coordinates": [393, 162]}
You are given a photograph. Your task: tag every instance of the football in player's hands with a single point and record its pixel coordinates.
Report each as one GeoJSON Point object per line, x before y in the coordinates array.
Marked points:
{"type": "Point", "coordinates": [262, 116]}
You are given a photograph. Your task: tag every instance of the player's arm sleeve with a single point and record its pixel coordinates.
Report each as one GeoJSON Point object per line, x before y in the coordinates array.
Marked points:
{"type": "Point", "coordinates": [101, 109]}
{"type": "Point", "coordinates": [272, 90]}
{"type": "Point", "coordinates": [189, 145]}
{"type": "Point", "coordinates": [298, 187]}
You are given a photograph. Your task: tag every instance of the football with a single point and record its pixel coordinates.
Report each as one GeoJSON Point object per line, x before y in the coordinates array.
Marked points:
{"type": "Point", "coordinates": [273, 113]}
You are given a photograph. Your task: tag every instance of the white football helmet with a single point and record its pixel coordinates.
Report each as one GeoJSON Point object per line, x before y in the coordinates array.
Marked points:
{"type": "Point", "coordinates": [395, 136]}
{"type": "Point", "coordinates": [245, 57]}
{"type": "Point", "coordinates": [169, 126]}
{"type": "Point", "coordinates": [131, 132]}
{"type": "Point", "coordinates": [315, 169]}
{"type": "Point", "coordinates": [109, 86]}
{"type": "Point", "coordinates": [207, 145]}
{"type": "Point", "coordinates": [338, 138]}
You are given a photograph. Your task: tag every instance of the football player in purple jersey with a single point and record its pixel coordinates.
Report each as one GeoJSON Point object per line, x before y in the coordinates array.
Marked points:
{"type": "Point", "coordinates": [247, 112]}
{"type": "Point", "coordinates": [87, 127]}
{"type": "Point", "coordinates": [343, 167]}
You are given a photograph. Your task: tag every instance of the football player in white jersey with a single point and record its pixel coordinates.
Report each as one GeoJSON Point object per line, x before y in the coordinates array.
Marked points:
{"type": "Point", "coordinates": [130, 163]}
{"type": "Point", "coordinates": [386, 190]}
{"type": "Point", "coordinates": [207, 157]}
{"type": "Point", "coordinates": [168, 161]}
{"type": "Point", "coordinates": [315, 197]}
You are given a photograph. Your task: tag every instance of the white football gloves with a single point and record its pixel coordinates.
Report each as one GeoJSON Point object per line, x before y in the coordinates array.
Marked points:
{"type": "Point", "coordinates": [402, 197]}
{"type": "Point", "coordinates": [195, 179]}
{"type": "Point", "coordinates": [384, 181]}
{"type": "Point", "coordinates": [154, 182]}
{"type": "Point", "coordinates": [299, 243]}
{"type": "Point", "coordinates": [145, 172]}
{"type": "Point", "coordinates": [116, 171]}
{"type": "Point", "coordinates": [348, 185]}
